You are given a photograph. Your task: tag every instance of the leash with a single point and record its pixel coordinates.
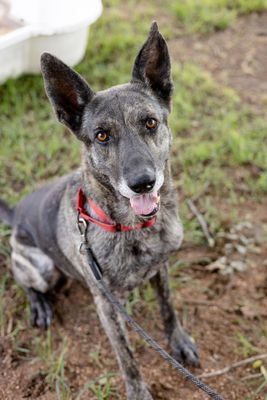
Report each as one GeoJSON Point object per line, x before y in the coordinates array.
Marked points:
{"type": "Point", "coordinates": [96, 270]}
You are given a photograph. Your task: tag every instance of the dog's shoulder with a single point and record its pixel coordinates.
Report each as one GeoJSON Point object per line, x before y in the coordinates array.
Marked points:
{"type": "Point", "coordinates": [37, 213]}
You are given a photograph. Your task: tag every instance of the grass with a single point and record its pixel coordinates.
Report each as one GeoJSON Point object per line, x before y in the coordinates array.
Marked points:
{"type": "Point", "coordinates": [13, 313]}
{"type": "Point", "coordinates": [101, 387]}
{"type": "Point", "coordinates": [53, 357]}
{"type": "Point", "coordinates": [3, 323]}
{"type": "Point", "coordinates": [52, 351]}
{"type": "Point", "coordinates": [213, 15]}
{"type": "Point", "coordinates": [246, 347]}
{"type": "Point", "coordinates": [141, 295]}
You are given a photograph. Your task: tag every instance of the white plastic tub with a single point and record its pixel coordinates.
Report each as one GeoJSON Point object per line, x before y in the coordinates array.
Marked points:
{"type": "Point", "coordinates": [34, 26]}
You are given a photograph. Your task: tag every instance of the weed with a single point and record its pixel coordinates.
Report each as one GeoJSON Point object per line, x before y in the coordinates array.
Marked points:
{"type": "Point", "coordinates": [3, 322]}
{"type": "Point", "coordinates": [148, 295]}
{"type": "Point", "coordinates": [4, 242]}
{"type": "Point", "coordinates": [132, 300]}
{"type": "Point", "coordinates": [263, 384]}
{"type": "Point", "coordinates": [54, 363]}
{"type": "Point", "coordinates": [95, 356]}
{"type": "Point", "coordinates": [101, 387]}
{"type": "Point", "coordinates": [247, 348]}
{"type": "Point", "coordinates": [9, 324]}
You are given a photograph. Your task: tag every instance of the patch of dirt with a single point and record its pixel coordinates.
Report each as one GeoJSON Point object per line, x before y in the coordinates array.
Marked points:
{"type": "Point", "coordinates": [236, 57]}
{"type": "Point", "coordinates": [35, 386]}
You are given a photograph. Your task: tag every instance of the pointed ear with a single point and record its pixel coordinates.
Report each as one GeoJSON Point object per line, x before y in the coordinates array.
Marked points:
{"type": "Point", "coordinates": [153, 67]}
{"type": "Point", "coordinates": [67, 91]}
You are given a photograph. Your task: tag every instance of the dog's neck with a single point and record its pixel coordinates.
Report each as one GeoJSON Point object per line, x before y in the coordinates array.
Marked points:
{"type": "Point", "coordinates": [114, 205]}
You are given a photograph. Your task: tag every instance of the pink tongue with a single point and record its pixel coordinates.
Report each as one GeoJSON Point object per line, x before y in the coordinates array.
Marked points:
{"type": "Point", "coordinates": [144, 204]}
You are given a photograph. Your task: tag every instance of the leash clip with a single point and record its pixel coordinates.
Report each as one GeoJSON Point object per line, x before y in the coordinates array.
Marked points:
{"type": "Point", "coordinates": [84, 248]}
{"type": "Point", "coordinates": [82, 225]}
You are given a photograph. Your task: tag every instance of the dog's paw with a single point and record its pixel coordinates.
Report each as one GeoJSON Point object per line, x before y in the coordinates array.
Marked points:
{"type": "Point", "coordinates": [184, 350]}
{"type": "Point", "coordinates": [41, 311]}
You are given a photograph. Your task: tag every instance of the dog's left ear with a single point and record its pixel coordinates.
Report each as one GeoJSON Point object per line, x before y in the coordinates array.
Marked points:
{"type": "Point", "coordinates": [67, 91]}
{"type": "Point", "coordinates": [153, 67]}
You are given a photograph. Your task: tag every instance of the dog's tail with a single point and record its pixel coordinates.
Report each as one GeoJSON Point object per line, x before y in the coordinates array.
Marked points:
{"type": "Point", "coordinates": [6, 213]}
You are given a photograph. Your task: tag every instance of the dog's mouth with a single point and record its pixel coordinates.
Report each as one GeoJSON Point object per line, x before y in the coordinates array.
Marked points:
{"type": "Point", "coordinates": [145, 205]}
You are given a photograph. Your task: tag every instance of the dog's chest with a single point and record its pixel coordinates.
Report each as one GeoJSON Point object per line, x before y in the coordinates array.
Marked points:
{"type": "Point", "coordinates": [129, 258]}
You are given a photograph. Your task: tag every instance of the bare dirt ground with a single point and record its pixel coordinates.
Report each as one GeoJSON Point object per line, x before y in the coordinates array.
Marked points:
{"type": "Point", "coordinates": [214, 305]}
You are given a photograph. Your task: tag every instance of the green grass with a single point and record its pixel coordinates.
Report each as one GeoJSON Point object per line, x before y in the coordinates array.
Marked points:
{"type": "Point", "coordinates": [101, 387]}
{"type": "Point", "coordinates": [3, 322]}
{"type": "Point", "coordinates": [33, 146]}
{"type": "Point", "coordinates": [53, 354]}
{"type": "Point", "coordinates": [212, 15]}
{"type": "Point", "coordinates": [13, 309]}
{"type": "Point", "coordinates": [211, 127]}
{"type": "Point", "coordinates": [246, 347]}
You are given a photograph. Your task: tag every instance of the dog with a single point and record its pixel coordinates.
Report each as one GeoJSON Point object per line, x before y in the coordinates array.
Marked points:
{"type": "Point", "coordinates": [124, 182]}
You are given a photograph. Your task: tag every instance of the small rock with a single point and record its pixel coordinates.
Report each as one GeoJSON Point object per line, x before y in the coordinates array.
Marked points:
{"type": "Point", "coordinates": [255, 249]}
{"type": "Point", "coordinates": [241, 249]}
{"type": "Point", "coordinates": [242, 225]}
{"type": "Point", "coordinates": [239, 266]}
{"type": "Point", "coordinates": [245, 240]}
{"type": "Point", "coordinates": [218, 265]}
{"type": "Point", "coordinates": [232, 236]}
{"type": "Point", "coordinates": [228, 248]}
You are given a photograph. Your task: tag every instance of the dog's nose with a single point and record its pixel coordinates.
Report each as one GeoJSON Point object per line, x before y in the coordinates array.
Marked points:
{"type": "Point", "coordinates": [143, 183]}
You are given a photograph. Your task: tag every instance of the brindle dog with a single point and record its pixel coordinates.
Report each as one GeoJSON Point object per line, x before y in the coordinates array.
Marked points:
{"type": "Point", "coordinates": [125, 170]}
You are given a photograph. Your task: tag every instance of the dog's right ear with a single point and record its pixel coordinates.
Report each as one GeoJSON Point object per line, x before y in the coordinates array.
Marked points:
{"type": "Point", "coordinates": [67, 91]}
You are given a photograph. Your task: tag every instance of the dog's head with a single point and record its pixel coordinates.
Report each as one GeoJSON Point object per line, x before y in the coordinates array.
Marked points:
{"type": "Point", "coordinates": [124, 128]}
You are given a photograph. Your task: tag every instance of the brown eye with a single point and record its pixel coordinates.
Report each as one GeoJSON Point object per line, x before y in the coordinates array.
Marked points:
{"type": "Point", "coordinates": [151, 124]}
{"type": "Point", "coordinates": [103, 136]}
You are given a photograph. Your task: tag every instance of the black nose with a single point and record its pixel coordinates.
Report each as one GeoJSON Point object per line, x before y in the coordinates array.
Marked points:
{"type": "Point", "coordinates": [142, 183]}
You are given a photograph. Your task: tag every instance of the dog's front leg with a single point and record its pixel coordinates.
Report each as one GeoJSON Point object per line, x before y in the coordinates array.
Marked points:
{"type": "Point", "coordinates": [114, 326]}
{"type": "Point", "coordinates": [183, 347]}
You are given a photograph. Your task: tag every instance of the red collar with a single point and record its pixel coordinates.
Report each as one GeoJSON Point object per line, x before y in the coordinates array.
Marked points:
{"type": "Point", "coordinates": [104, 222]}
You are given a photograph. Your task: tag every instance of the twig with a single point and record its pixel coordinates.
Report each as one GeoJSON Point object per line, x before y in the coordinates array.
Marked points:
{"type": "Point", "coordinates": [201, 221]}
{"type": "Point", "coordinates": [235, 365]}
{"type": "Point", "coordinates": [264, 383]}
{"type": "Point", "coordinates": [202, 192]}
{"type": "Point", "coordinates": [251, 376]}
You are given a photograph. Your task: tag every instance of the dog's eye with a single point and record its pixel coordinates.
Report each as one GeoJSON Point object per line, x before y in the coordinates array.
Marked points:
{"type": "Point", "coordinates": [151, 124]}
{"type": "Point", "coordinates": [103, 136]}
